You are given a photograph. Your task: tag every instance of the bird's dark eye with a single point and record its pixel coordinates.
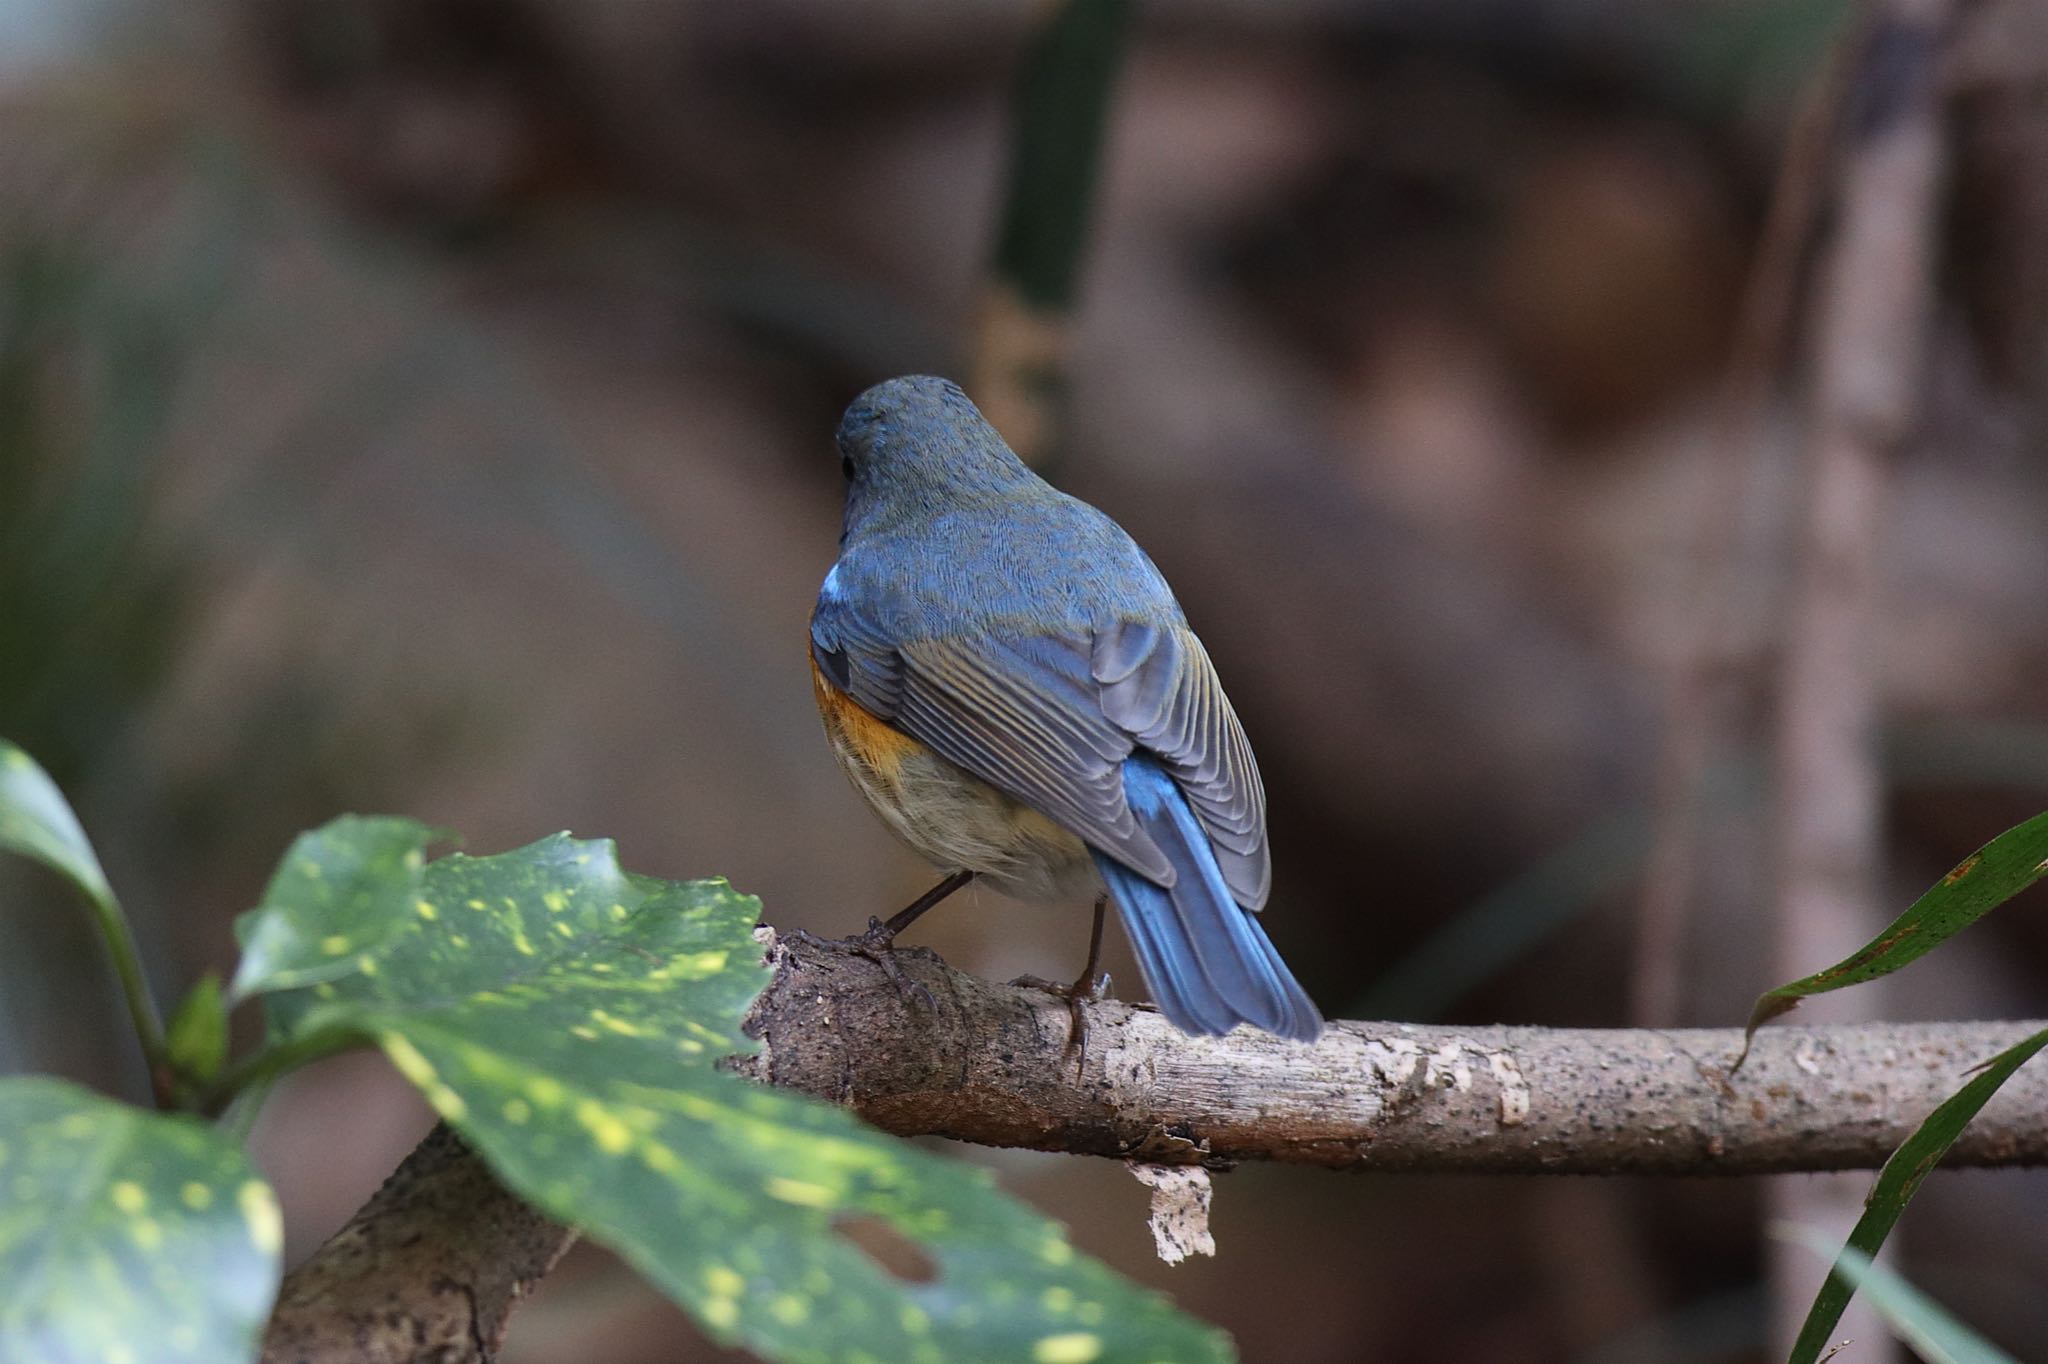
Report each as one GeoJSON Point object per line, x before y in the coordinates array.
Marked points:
{"type": "Point", "coordinates": [846, 467]}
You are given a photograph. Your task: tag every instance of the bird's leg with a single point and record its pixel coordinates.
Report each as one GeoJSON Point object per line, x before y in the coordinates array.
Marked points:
{"type": "Point", "coordinates": [1085, 989]}
{"type": "Point", "coordinates": [915, 910]}
{"type": "Point", "coordinates": [878, 943]}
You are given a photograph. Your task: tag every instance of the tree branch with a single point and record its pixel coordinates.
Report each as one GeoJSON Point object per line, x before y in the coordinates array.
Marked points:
{"type": "Point", "coordinates": [989, 1065]}
{"type": "Point", "coordinates": [429, 1269]}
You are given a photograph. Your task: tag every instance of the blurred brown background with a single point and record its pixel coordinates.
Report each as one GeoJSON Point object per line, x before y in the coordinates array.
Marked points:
{"type": "Point", "coordinates": [424, 407]}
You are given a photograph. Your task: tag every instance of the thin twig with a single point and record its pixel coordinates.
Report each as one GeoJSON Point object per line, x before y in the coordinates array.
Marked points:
{"type": "Point", "coordinates": [1705, 670]}
{"type": "Point", "coordinates": [1874, 291]}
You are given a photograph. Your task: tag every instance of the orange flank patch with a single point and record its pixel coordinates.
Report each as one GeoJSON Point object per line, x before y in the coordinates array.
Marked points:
{"type": "Point", "coordinates": [951, 817]}
{"type": "Point", "coordinates": [860, 738]}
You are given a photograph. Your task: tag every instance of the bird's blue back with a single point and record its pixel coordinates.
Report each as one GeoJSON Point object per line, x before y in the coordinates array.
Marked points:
{"type": "Point", "coordinates": [1026, 639]}
{"type": "Point", "coordinates": [947, 530]}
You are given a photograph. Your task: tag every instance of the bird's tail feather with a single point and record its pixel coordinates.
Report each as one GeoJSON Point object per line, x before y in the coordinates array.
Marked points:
{"type": "Point", "coordinates": [1206, 960]}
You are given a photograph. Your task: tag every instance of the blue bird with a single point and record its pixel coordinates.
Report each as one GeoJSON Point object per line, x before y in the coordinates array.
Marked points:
{"type": "Point", "coordinates": [1009, 682]}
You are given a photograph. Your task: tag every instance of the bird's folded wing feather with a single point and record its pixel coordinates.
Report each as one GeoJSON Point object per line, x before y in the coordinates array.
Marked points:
{"type": "Point", "coordinates": [1048, 720]}
{"type": "Point", "coordinates": [1156, 683]}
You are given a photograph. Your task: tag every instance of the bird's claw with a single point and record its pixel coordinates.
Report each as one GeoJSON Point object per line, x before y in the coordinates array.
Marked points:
{"type": "Point", "coordinates": [878, 945]}
{"type": "Point", "coordinates": [1086, 990]}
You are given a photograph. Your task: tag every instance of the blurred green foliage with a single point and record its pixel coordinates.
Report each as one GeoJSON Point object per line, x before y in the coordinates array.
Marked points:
{"type": "Point", "coordinates": [87, 378]}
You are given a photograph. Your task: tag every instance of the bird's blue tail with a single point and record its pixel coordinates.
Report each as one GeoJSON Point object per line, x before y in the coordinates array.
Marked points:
{"type": "Point", "coordinates": [1206, 961]}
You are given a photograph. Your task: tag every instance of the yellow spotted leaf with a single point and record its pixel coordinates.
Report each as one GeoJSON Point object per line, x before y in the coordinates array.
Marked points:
{"type": "Point", "coordinates": [341, 891]}
{"type": "Point", "coordinates": [127, 1235]}
{"type": "Point", "coordinates": [567, 1017]}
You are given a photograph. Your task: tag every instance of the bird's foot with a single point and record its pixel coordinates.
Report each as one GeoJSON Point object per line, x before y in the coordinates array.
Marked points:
{"type": "Point", "coordinates": [1091, 987]}
{"type": "Point", "coordinates": [878, 945]}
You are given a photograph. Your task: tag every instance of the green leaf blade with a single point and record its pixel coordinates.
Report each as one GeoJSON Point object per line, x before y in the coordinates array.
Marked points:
{"type": "Point", "coordinates": [1913, 1317]}
{"type": "Point", "coordinates": [127, 1235]}
{"type": "Point", "coordinates": [1996, 872]}
{"type": "Point", "coordinates": [36, 822]}
{"type": "Point", "coordinates": [567, 1017]}
{"type": "Point", "coordinates": [1900, 1179]}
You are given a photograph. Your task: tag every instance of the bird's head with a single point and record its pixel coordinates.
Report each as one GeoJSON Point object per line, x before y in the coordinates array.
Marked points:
{"type": "Point", "coordinates": [916, 446]}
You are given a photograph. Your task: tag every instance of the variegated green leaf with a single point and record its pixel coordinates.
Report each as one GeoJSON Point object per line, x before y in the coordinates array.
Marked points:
{"type": "Point", "coordinates": [567, 1017]}
{"type": "Point", "coordinates": [127, 1237]}
{"type": "Point", "coordinates": [340, 892]}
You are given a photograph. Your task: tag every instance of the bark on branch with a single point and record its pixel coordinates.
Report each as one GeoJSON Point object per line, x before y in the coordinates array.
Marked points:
{"type": "Point", "coordinates": [989, 1064]}
{"type": "Point", "coordinates": [431, 1267]}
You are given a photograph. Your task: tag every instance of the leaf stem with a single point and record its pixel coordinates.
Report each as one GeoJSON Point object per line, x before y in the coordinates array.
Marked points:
{"type": "Point", "coordinates": [271, 1062]}
{"type": "Point", "coordinates": [142, 1007]}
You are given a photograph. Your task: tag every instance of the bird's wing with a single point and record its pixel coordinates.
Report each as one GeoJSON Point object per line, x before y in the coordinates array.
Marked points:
{"type": "Point", "coordinates": [1048, 720]}
{"type": "Point", "coordinates": [1155, 683]}
{"type": "Point", "coordinates": [1019, 714]}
